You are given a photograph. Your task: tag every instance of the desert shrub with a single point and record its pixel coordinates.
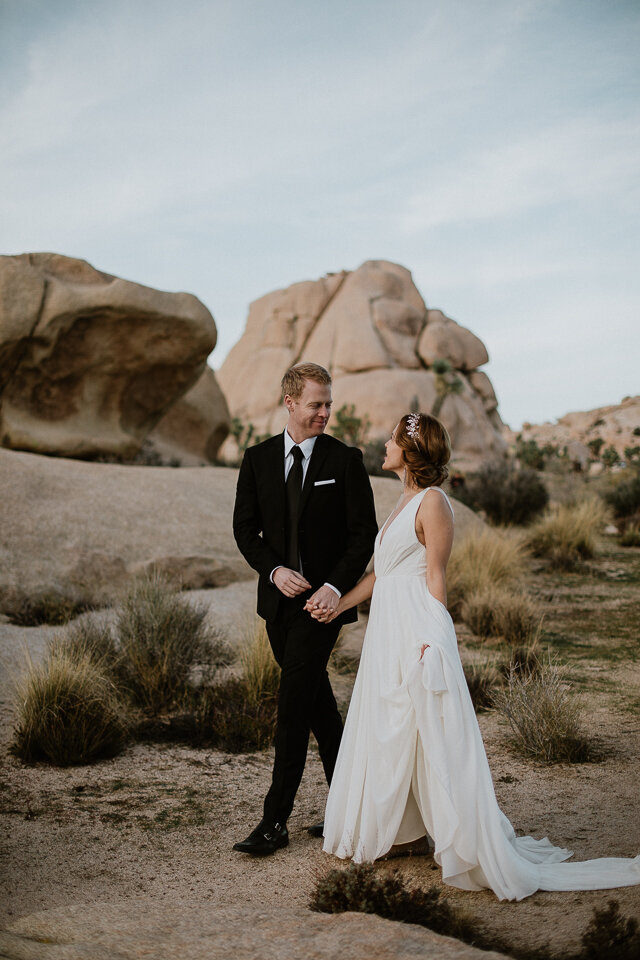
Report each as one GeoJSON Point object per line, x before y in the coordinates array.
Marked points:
{"type": "Point", "coordinates": [610, 936]}
{"type": "Point", "coordinates": [481, 680]}
{"type": "Point", "coordinates": [373, 455]}
{"type": "Point", "coordinates": [505, 493]}
{"type": "Point", "coordinates": [342, 662]}
{"type": "Point", "coordinates": [630, 537]}
{"type": "Point", "coordinates": [87, 639]}
{"type": "Point", "coordinates": [498, 612]}
{"type": "Point", "coordinates": [260, 672]}
{"type": "Point", "coordinates": [245, 435]}
{"type": "Point", "coordinates": [610, 456]}
{"type": "Point", "coordinates": [624, 496]}
{"type": "Point", "coordinates": [529, 453]}
{"type": "Point", "coordinates": [483, 559]}
{"type": "Point", "coordinates": [566, 536]}
{"type": "Point", "coordinates": [163, 642]}
{"type": "Point", "coordinates": [362, 889]}
{"type": "Point", "coordinates": [523, 660]}
{"type": "Point", "coordinates": [544, 715]}
{"type": "Point", "coordinates": [239, 713]}
{"type": "Point", "coordinates": [51, 607]}
{"type": "Point", "coordinates": [234, 723]}
{"type": "Point", "coordinates": [347, 426]}
{"type": "Point", "coordinates": [68, 712]}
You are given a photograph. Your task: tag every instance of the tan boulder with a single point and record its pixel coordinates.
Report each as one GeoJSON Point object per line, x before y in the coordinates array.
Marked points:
{"type": "Point", "coordinates": [194, 428]}
{"type": "Point", "coordinates": [84, 530]}
{"type": "Point", "coordinates": [202, 930]}
{"type": "Point", "coordinates": [444, 339]}
{"type": "Point", "coordinates": [91, 362]}
{"type": "Point", "coordinates": [372, 331]}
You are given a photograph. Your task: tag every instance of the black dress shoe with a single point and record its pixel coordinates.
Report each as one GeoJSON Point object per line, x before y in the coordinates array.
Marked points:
{"type": "Point", "coordinates": [265, 839]}
{"type": "Point", "coordinates": [317, 830]}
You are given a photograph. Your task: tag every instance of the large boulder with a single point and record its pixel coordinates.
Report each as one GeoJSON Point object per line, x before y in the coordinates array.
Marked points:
{"type": "Point", "coordinates": [371, 329]}
{"type": "Point", "coordinates": [84, 530]}
{"type": "Point", "coordinates": [194, 428]}
{"type": "Point", "coordinates": [89, 362]}
{"type": "Point", "coordinates": [202, 930]}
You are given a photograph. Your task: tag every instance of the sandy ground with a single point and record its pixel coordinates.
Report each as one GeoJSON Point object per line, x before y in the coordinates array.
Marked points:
{"type": "Point", "coordinates": [159, 821]}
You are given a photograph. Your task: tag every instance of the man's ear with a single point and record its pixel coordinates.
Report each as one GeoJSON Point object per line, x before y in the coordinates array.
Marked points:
{"type": "Point", "coordinates": [288, 402]}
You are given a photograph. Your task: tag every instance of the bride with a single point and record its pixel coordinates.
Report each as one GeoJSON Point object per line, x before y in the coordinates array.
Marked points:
{"type": "Point", "coordinates": [412, 761]}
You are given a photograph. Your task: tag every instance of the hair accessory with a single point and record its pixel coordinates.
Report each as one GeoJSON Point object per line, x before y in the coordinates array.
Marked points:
{"type": "Point", "coordinates": [413, 423]}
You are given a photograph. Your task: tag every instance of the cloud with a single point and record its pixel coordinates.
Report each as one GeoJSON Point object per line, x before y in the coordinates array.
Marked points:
{"type": "Point", "coordinates": [582, 160]}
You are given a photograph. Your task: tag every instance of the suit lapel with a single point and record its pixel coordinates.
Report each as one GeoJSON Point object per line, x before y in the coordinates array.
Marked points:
{"type": "Point", "coordinates": [319, 455]}
{"type": "Point", "coordinates": [275, 477]}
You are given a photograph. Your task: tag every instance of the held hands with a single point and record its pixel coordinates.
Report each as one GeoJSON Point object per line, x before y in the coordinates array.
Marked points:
{"type": "Point", "coordinates": [323, 605]}
{"type": "Point", "coordinates": [290, 582]}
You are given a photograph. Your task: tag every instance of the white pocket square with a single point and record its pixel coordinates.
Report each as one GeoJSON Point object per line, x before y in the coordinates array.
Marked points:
{"type": "Point", "coordinates": [321, 483]}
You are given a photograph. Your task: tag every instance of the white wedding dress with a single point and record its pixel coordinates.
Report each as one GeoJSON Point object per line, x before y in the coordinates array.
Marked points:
{"type": "Point", "coordinates": [412, 758]}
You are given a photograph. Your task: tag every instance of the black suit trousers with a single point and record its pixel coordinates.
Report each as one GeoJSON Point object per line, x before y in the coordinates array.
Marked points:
{"type": "Point", "coordinates": [306, 702]}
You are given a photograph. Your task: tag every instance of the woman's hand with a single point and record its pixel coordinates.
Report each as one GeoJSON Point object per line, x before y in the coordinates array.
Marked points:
{"type": "Point", "coordinates": [321, 614]}
{"type": "Point", "coordinates": [425, 646]}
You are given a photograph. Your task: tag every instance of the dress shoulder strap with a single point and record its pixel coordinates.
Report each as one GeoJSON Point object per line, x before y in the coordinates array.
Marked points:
{"type": "Point", "coordinates": [447, 501]}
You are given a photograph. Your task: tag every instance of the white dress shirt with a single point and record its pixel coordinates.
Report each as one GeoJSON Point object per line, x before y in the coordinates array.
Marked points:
{"type": "Point", "coordinates": [307, 449]}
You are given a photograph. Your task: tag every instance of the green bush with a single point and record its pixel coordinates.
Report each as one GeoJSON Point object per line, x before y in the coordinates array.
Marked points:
{"type": "Point", "coordinates": [529, 453]}
{"type": "Point", "coordinates": [610, 936]}
{"type": "Point", "coordinates": [373, 455]}
{"type": "Point", "coordinates": [68, 712]}
{"type": "Point", "coordinates": [505, 493]}
{"type": "Point", "coordinates": [50, 607]}
{"type": "Point", "coordinates": [362, 889]}
{"type": "Point", "coordinates": [163, 642]}
{"type": "Point", "coordinates": [348, 427]}
{"type": "Point", "coordinates": [624, 496]}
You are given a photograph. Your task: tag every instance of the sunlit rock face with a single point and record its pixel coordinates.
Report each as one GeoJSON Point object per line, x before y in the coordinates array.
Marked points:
{"type": "Point", "coordinates": [372, 330]}
{"type": "Point", "coordinates": [89, 363]}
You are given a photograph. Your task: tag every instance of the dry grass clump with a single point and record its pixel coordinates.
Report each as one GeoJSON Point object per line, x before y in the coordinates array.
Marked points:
{"type": "Point", "coordinates": [69, 712]}
{"type": "Point", "coordinates": [163, 641]}
{"type": "Point", "coordinates": [567, 535]}
{"type": "Point", "coordinates": [87, 639]}
{"type": "Point", "coordinates": [482, 679]}
{"type": "Point", "coordinates": [50, 607]}
{"type": "Point", "coordinates": [498, 612]}
{"type": "Point", "coordinates": [483, 560]}
{"type": "Point", "coordinates": [260, 672]}
{"type": "Point", "coordinates": [362, 889]}
{"type": "Point", "coordinates": [240, 713]}
{"type": "Point", "coordinates": [545, 716]}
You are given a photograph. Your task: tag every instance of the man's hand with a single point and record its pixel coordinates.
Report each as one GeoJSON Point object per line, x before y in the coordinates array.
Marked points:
{"type": "Point", "coordinates": [290, 582]}
{"type": "Point", "coordinates": [323, 604]}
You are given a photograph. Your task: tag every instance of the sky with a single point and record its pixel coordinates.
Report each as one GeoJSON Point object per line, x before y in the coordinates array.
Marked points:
{"type": "Point", "coordinates": [233, 147]}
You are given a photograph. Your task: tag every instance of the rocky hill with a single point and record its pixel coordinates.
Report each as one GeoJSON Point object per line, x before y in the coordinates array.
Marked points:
{"type": "Point", "coordinates": [372, 330]}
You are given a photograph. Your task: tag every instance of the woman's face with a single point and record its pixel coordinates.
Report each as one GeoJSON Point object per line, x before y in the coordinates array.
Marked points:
{"type": "Point", "coordinates": [393, 459]}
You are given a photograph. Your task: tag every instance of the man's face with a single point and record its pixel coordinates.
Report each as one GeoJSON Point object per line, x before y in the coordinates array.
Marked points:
{"type": "Point", "coordinates": [309, 413]}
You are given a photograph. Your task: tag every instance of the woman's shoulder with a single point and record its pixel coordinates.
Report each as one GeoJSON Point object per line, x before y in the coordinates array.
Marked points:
{"type": "Point", "coordinates": [436, 504]}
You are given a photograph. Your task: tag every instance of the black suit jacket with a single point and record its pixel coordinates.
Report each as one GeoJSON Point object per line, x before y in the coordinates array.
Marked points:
{"type": "Point", "coordinates": [337, 523]}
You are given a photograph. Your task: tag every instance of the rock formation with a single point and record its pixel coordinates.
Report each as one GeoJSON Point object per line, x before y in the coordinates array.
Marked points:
{"type": "Point", "coordinates": [90, 363]}
{"type": "Point", "coordinates": [194, 428]}
{"type": "Point", "coordinates": [616, 425]}
{"type": "Point", "coordinates": [84, 530]}
{"type": "Point", "coordinates": [202, 930]}
{"type": "Point", "coordinates": [371, 329]}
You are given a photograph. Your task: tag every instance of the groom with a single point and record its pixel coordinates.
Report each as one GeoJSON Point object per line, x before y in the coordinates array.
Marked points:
{"type": "Point", "coordinates": [304, 518]}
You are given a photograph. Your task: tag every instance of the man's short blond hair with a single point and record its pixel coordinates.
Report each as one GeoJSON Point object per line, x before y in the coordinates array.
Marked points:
{"type": "Point", "coordinates": [294, 379]}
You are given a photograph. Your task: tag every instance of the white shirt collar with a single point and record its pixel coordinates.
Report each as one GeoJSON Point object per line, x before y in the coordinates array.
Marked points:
{"type": "Point", "coordinates": [306, 446]}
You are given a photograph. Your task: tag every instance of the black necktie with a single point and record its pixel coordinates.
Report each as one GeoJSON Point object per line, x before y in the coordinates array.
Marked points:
{"type": "Point", "coordinates": [294, 489]}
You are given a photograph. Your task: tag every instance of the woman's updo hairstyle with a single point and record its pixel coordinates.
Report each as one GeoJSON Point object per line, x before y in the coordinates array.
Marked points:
{"type": "Point", "coordinates": [426, 449]}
